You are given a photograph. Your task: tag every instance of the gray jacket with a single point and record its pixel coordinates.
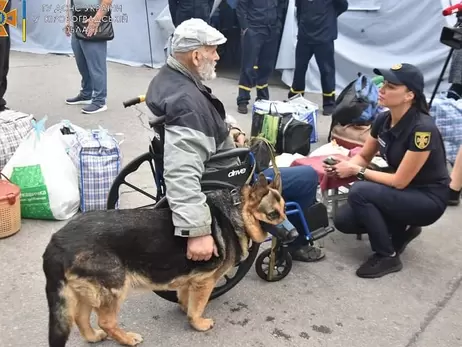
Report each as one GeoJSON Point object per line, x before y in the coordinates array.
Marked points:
{"type": "Point", "coordinates": [195, 129]}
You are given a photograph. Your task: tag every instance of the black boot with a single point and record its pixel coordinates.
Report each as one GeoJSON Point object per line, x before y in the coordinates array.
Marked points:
{"type": "Point", "coordinates": [454, 197]}
{"type": "Point", "coordinates": [401, 240]}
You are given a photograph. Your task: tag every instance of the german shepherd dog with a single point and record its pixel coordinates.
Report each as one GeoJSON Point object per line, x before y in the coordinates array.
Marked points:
{"type": "Point", "coordinates": [92, 262]}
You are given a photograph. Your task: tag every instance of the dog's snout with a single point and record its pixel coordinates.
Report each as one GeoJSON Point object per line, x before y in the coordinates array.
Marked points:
{"type": "Point", "coordinates": [273, 215]}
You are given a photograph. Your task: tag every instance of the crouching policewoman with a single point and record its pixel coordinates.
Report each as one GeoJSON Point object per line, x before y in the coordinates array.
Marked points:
{"type": "Point", "coordinates": [392, 207]}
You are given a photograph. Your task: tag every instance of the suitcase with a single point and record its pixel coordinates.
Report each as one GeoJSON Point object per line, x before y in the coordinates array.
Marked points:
{"type": "Point", "coordinates": [350, 136]}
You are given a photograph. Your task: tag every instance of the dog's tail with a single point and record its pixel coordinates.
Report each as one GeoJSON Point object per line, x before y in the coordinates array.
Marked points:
{"type": "Point", "coordinates": [60, 319]}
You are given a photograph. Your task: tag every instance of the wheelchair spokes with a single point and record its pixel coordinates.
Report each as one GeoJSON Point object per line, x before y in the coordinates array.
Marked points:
{"type": "Point", "coordinates": [135, 185]}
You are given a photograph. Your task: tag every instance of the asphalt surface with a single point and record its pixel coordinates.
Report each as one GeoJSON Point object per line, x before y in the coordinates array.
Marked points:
{"type": "Point", "coordinates": [320, 304]}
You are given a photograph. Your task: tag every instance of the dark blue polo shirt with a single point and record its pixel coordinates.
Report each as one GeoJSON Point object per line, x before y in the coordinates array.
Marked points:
{"type": "Point", "coordinates": [415, 132]}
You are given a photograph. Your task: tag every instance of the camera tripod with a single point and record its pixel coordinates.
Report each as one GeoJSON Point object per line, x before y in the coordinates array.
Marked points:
{"type": "Point", "coordinates": [451, 37]}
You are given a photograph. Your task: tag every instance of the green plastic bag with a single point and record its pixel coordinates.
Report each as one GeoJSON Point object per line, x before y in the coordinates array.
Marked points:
{"type": "Point", "coordinates": [46, 176]}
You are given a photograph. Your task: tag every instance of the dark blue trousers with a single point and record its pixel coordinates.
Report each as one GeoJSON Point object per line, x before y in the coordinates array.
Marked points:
{"type": "Point", "coordinates": [382, 211]}
{"type": "Point", "coordinates": [299, 184]}
{"type": "Point", "coordinates": [324, 55]}
{"type": "Point", "coordinates": [5, 45]}
{"type": "Point", "coordinates": [259, 53]}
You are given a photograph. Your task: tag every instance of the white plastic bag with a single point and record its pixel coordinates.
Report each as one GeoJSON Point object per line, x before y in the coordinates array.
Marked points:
{"type": "Point", "coordinates": [46, 176]}
{"type": "Point", "coordinates": [69, 141]}
{"type": "Point", "coordinates": [330, 148]}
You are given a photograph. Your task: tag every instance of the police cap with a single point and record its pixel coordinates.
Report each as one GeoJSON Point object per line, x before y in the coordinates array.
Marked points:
{"type": "Point", "coordinates": [404, 74]}
{"type": "Point", "coordinates": [194, 33]}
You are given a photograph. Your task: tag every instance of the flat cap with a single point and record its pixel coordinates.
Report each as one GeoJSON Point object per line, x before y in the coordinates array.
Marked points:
{"type": "Point", "coordinates": [194, 33]}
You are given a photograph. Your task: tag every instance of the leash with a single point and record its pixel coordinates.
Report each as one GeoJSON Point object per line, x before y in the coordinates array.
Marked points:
{"type": "Point", "coordinates": [272, 152]}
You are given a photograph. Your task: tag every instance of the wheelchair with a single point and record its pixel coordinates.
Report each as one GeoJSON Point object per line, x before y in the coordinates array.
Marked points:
{"type": "Point", "coordinates": [274, 263]}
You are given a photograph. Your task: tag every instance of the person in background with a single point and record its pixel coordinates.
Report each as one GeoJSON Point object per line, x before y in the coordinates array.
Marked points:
{"type": "Point", "coordinates": [456, 181]}
{"type": "Point", "coordinates": [90, 57]}
{"type": "Point", "coordinates": [455, 92]}
{"type": "Point", "coordinates": [181, 10]}
{"type": "Point", "coordinates": [261, 26]}
{"type": "Point", "coordinates": [317, 31]}
{"type": "Point", "coordinates": [455, 76]}
{"type": "Point", "coordinates": [5, 45]}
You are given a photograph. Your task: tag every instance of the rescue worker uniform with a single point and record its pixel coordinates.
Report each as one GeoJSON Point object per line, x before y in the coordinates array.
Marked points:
{"type": "Point", "coordinates": [393, 217]}
{"type": "Point", "coordinates": [5, 45]}
{"type": "Point", "coordinates": [317, 31]}
{"type": "Point", "coordinates": [196, 127]}
{"type": "Point", "coordinates": [182, 10]}
{"type": "Point", "coordinates": [261, 26]}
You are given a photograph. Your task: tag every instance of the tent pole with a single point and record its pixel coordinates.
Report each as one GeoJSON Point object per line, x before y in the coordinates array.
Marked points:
{"type": "Point", "coordinates": [149, 32]}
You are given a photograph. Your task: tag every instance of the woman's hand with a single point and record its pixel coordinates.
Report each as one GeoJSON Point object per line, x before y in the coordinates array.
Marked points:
{"type": "Point", "coordinates": [344, 169]}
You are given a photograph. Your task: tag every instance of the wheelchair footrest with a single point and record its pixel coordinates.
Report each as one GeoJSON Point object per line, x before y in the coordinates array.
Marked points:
{"type": "Point", "coordinates": [316, 216]}
{"type": "Point", "coordinates": [321, 232]}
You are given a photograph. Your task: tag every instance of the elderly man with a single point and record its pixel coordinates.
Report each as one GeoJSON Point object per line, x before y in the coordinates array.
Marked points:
{"type": "Point", "coordinates": [196, 127]}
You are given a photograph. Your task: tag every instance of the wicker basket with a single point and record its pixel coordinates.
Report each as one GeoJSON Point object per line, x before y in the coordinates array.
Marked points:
{"type": "Point", "coordinates": [10, 208]}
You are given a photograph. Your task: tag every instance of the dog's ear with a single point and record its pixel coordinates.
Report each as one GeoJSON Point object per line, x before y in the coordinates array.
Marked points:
{"type": "Point", "coordinates": [260, 188]}
{"type": "Point", "coordinates": [277, 183]}
{"type": "Point", "coordinates": [262, 182]}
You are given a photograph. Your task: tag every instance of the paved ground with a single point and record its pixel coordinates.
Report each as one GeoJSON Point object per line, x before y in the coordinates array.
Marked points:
{"type": "Point", "coordinates": [322, 304]}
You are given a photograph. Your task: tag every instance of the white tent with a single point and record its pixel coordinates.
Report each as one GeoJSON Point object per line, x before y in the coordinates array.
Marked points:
{"type": "Point", "coordinates": [372, 33]}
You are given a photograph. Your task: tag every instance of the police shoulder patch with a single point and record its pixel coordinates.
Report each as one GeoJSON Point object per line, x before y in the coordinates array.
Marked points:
{"type": "Point", "coordinates": [422, 139]}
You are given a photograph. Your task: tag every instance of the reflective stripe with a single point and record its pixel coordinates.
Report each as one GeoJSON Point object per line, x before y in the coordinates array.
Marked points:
{"type": "Point", "coordinates": [263, 86]}
{"type": "Point", "coordinates": [296, 91]}
{"type": "Point", "coordinates": [329, 94]}
{"type": "Point", "coordinates": [245, 88]}
{"type": "Point", "coordinates": [255, 67]}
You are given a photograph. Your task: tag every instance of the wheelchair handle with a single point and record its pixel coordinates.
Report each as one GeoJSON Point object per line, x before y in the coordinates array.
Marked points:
{"type": "Point", "coordinates": [134, 101]}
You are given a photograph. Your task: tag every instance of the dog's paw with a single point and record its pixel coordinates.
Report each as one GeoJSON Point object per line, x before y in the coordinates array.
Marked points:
{"type": "Point", "coordinates": [99, 336]}
{"type": "Point", "coordinates": [133, 339]}
{"type": "Point", "coordinates": [202, 324]}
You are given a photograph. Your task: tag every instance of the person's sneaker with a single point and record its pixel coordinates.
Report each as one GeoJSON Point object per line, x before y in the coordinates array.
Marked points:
{"type": "Point", "coordinates": [92, 108]}
{"type": "Point", "coordinates": [242, 108]}
{"type": "Point", "coordinates": [400, 241]}
{"type": "Point", "coordinates": [307, 254]}
{"type": "Point", "coordinates": [378, 265]}
{"type": "Point", "coordinates": [454, 197]}
{"type": "Point", "coordinates": [327, 110]}
{"type": "Point", "coordinates": [78, 100]}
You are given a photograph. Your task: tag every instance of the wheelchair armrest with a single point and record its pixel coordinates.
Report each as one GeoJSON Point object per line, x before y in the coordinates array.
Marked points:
{"type": "Point", "coordinates": [230, 153]}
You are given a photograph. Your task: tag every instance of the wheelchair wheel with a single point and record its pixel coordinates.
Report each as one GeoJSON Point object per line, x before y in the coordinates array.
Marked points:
{"type": "Point", "coordinates": [282, 266]}
{"type": "Point", "coordinates": [121, 179]}
{"type": "Point", "coordinates": [230, 280]}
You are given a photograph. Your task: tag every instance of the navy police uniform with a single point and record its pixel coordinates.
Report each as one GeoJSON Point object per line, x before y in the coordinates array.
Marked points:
{"type": "Point", "coordinates": [5, 44]}
{"type": "Point", "coordinates": [182, 10]}
{"type": "Point", "coordinates": [317, 31]}
{"type": "Point", "coordinates": [393, 217]}
{"type": "Point", "coordinates": [261, 26]}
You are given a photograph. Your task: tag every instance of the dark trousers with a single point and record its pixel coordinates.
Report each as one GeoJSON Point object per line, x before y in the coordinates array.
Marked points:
{"type": "Point", "coordinates": [382, 211]}
{"type": "Point", "coordinates": [324, 55]}
{"type": "Point", "coordinates": [259, 53]}
{"type": "Point", "coordinates": [299, 184]}
{"type": "Point", "coordinates": [5, 45]}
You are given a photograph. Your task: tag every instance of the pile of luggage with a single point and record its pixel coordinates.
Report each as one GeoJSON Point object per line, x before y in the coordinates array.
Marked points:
{"type": "Point", "coordinates": [355, 110]}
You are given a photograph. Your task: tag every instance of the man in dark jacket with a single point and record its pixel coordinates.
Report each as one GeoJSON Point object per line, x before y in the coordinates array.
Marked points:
{"type": "Point", "coordinates": [261, 26]}
{"type": "Point", "coordinates": [182, 10]}
{"type": "Point", "coordinates": [5, 45]}
{"type": "Point", "coordinates": [196, 127]}
{"type": "Point", "coordinates": [317, 31]}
